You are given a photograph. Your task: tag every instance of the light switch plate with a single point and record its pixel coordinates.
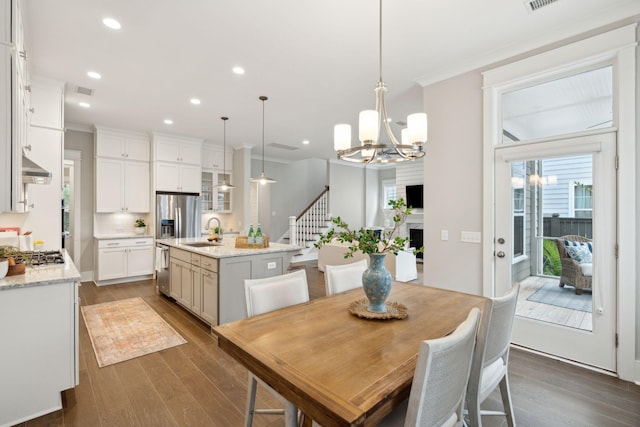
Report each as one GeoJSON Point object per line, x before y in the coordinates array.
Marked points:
{"type": "Point", "coordinates": [470, 236]}
{"type": "Point", "coordinates": [444, 234]}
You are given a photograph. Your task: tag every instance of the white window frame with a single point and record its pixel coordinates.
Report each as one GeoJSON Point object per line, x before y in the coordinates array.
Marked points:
{"type": "Point", "coordinates": [572, 198]}
{"type": "Point", "coordinates": [384, 200]}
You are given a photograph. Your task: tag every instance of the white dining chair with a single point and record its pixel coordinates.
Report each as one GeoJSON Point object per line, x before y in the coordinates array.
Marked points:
{"type": "Point", "coordinates": [341, 278]}
{"type": "Point", "coordinates": [440, 380]}
{"type": "Point", "coordinates": [263, 296]}
{"type": "Point", "coordinates": [491, 359]}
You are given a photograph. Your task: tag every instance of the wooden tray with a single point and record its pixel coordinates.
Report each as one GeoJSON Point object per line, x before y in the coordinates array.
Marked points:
{"type": "Point", "coordinates": [243, 242]}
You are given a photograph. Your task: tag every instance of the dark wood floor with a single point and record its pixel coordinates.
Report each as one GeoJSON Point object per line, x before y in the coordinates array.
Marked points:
{"type": "Point", "coordinates": [196, 384]}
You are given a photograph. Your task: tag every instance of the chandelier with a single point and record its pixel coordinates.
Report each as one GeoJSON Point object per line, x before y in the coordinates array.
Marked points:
{"type": "Point", "coordinates": [224, 186]}
{"type": "Point", "coordinates": [262, 179]}
{"type": "Point", "coordinates": [372, 149]}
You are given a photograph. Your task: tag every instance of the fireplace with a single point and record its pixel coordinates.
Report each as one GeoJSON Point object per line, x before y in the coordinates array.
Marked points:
{"type": "Point", "coordinates": [415, 239]}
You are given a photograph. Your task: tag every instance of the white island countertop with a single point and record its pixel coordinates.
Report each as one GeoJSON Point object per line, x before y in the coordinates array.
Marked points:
{"type": "Point", "coordinates": [227, 249]}
{"type": "Point", "coordinates": [43, 275]}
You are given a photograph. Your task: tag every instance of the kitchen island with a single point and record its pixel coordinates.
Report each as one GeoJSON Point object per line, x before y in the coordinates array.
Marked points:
{"type": "Point", "coordinates": [39, 335]}
{"type": "Point", "coordinates": [208, 280]}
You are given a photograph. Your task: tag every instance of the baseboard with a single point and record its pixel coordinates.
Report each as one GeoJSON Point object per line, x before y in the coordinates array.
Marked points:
{"type": "Point", "coordinates": [637, 380]}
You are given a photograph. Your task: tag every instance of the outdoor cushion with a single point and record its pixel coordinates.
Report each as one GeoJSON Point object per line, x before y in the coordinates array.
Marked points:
{"type": "Point", "coordinates": [586, 268]}
{"type": "Point", "coordinates": [580, 251]}
{"type": "Point", "coordinates": [589, 245]}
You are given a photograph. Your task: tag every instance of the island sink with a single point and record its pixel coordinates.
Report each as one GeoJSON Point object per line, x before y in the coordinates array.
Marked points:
{"type": "Point", "coordinates": [203, 244]}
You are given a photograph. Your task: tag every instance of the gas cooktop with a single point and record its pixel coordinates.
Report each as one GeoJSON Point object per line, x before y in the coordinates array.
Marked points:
{"type": "Point", "coordinates": [38, 258]}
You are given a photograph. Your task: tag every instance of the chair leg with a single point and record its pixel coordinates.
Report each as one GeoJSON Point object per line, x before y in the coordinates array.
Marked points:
{"type": "Point", "coordinates": [251, 401]}
{"type": "Point", "coordinates": [506, 400]}
{"type": "Point", "coordinates": [290, 415]}
{"type": "Point", "coordinates": [578, 291]}
{"type": "Point", "coordinates": [473, 411]}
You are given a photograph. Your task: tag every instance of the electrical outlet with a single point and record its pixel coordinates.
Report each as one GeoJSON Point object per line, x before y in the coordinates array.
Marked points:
{"type": "Point", "coordinates": [271, 265]}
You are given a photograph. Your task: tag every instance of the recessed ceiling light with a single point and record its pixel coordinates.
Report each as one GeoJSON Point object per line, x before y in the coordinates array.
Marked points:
{"type": "Point", "coordinates": [238, 70]}
{"type": "Point", "coordinates": [111, 23]}
{"type": "Point", "coordinates": [168, 121]}
{"type": "Point", "coordinates": [195, 101]}
{"type": "Point", "coordinates": [305, 142]}
{"type": "Point", "coordinates": [84, 104]}
{"type": "Point", "coordinates": [94, 75]}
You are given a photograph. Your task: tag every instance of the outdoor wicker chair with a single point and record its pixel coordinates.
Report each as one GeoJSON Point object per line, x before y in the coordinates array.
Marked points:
{"type": "Point", "coordinates": [572, 274]}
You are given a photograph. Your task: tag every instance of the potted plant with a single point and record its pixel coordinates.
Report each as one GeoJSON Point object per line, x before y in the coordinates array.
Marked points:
{"type": "Point", "coordinates": [140, 227]}
{"type": "Point", "coordinates": [376, 280]}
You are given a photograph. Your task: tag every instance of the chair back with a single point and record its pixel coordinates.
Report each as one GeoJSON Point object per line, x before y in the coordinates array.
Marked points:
{"type": "Point", "coordinates": [498, 328]}
{"type": "Point", "coordinates": [341, 278]}
{"type": "Point", "coordinates": [272, 293]}
{"type": "Point", "coordinates": [440, 380]}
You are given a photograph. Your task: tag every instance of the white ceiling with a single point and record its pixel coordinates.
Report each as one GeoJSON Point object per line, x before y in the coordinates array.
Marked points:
{"type": "Point", "coordinates": [317, 61]}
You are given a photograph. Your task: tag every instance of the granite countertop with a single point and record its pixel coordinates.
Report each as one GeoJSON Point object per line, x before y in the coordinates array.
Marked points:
{"type": "Point", "coordinates": [121, 236]}
{"type": "Point", "coordinates": [227, 249]}
{"type": "Point", "coordinates": [43, 275]}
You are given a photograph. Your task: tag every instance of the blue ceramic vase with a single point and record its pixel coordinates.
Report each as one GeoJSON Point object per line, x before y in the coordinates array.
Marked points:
{"type": "Point", "coordinates": [376, 281]}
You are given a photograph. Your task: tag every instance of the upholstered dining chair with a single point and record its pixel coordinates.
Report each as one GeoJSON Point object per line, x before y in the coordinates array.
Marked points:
{"type": "Point", "coordinates": [341, 278]}
{"type": "Point", "coordinates": [491, 358]}
{"type": "Point", "coordinates": [440, 380]}
{"type": "Point", "coordinates": [263, 296]}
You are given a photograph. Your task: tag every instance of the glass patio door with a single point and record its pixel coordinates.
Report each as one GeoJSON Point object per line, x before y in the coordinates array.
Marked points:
{"type": "Point", "coordinates": [546, 191]}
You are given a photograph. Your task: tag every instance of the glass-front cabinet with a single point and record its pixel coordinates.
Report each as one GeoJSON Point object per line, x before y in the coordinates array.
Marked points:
{"type": "Point", "coordinates": [214, 198]}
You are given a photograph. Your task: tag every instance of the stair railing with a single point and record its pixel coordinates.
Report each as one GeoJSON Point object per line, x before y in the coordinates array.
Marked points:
{"type": "Point", "coordinates": [305, 226]}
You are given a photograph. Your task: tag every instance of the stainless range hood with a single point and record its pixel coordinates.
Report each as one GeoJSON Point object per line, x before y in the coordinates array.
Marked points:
{"type": "Point", "coordinates": [32, 173]}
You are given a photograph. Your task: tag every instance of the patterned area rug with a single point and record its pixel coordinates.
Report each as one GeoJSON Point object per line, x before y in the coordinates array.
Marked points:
{"type": "Point", "coordinates": [552, 294]}
{"type": "Point", "coordinates": [126, 329]}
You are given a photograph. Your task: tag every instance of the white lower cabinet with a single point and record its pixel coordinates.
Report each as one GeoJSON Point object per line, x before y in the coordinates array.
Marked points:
{"type": "Point", "coordinates": [194, 283]}
{"type": "Point", "coordinates": [124, 258]}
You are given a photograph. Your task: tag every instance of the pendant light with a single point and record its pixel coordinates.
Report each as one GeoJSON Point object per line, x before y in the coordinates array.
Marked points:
{"type": "Point", "coordinates": [372, 149]}
{"type": "Point", "coordinates": [262, 179]}
{"type": "Point", "coordinates": [224, 186]}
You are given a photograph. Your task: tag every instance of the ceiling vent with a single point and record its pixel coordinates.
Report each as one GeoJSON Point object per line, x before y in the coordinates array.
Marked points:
{"type": "Point", "coordinates": [533, 5]}
{"type": "Point", "coordinates": [84, 91]}
{"type": "Point", "coordinates": [282, 146]}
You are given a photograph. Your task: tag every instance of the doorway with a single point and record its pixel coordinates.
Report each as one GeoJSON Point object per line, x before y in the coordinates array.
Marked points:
{"type": "Point", "coordinates": [555, 236]}
{"type": "Point", "coordinates": [71, 205]}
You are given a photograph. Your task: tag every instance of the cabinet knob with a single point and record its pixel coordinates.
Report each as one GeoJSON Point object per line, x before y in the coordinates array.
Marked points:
{"type": "Point", "coordinates": [32, 110]}
{"type": "Point", "coordinates": [27, 147]}
{"type": "Point", "coordinates": [27, 88]}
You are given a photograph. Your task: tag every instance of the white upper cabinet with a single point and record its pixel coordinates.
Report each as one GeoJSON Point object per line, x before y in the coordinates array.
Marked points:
{"type": "Point", "coordinates": [122, 144]}
{"type": "Point", "coordinates": [213, 157]}
{"type": "Point", "coordinates": [46, 105]}
{"type": "Point", "coordinates": [176, 149]}
{"type": "Point", "coordinates": [122, 171]}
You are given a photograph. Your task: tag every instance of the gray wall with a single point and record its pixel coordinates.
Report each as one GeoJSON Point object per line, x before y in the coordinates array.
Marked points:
{"type": "Point", "coordinates": [83, 142]}
{"type": "Point", "coordinates": [453, 183]}
{"type": "Point", "coordinates": [347, 195]}
{"type": "Point", "coordinates": [298, 184]}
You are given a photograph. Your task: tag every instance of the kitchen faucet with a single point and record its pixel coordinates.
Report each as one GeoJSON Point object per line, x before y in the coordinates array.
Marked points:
{"type": "Point", "coordinates": [219, 226]}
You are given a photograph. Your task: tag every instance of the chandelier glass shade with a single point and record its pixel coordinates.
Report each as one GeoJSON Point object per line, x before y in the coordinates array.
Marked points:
{"type": "Point", "coordinates": [224, 186]}
{"type": "Point", "coordinates": [371, 123]}
{"type": "Point", "coordinates": [263, 179]}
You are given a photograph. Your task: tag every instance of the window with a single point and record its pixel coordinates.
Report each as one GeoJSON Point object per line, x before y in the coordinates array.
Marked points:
{"type": "Point", "coordinates": [389, 192]}
{"type": "Point", "coordinates": [582, 200]}
{"type": "Point", "coordinates": [518, 196]}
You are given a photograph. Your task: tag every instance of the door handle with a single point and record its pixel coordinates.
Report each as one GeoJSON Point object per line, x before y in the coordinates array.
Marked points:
{"type": "Point", "coordinates": [500, 254]}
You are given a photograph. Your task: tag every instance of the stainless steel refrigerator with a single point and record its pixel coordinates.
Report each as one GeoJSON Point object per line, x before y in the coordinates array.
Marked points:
{"type": "Point", "coordinates": [177, 215]}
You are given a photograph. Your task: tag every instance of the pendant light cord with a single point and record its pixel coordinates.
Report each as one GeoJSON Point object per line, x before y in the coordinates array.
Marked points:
{"type": "Point", "coordinates": [380, 42]}
{"type": "Point", "coordinates": [263, 98]}
{"type": "Point", "coordinates": [224, 146]}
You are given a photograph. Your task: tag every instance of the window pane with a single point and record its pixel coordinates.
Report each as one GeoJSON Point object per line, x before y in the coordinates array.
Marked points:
{"type": "Point", "coordinates": [572, 104]}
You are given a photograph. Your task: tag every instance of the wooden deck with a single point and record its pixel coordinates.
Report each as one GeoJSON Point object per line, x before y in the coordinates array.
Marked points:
{"type": "Point", "coordinates": [549, 313]}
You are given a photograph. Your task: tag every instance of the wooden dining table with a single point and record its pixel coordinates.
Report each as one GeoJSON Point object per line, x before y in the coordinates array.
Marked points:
{"type": "Point", "coordinates": [337, 368]}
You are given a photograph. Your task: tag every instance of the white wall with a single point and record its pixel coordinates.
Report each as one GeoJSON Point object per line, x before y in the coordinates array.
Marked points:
{"type": "Point", "coordinates": [453, 183]}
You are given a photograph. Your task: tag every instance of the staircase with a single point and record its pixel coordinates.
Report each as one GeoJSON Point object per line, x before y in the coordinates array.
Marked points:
{"type": "Point", "coordinates": [306, 228]}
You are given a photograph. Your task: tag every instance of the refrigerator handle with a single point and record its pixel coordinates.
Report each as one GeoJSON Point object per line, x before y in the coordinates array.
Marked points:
{"type": "Point", "coordinates": [179, 232]}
